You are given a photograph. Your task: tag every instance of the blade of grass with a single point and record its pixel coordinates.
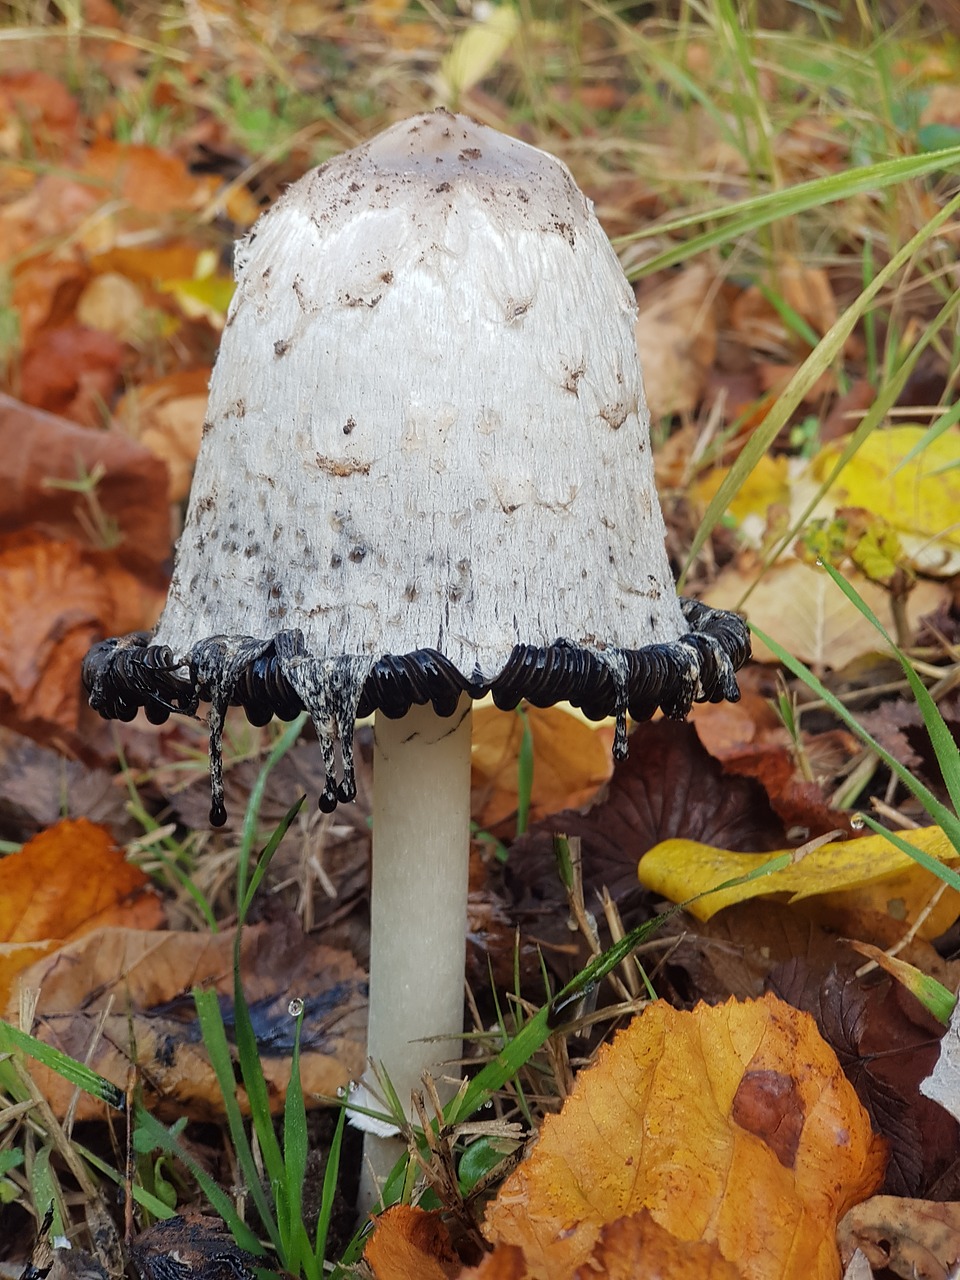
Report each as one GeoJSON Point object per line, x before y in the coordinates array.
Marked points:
{"type": "Point", "coordinates": [816, 363]}
{"type": "Point", "coordinates": [249, 834]}
{"type": "Point", "coordinates": [942, 816]}
{"type": "Point", "coordinates": [75, 1072]}
{"type": "Point", "coordinates": [944, 746]}
{"type": "Point", "coordinates": [739, 220]}
{"type": "Point", "coordinates": [215, 1041]}
{"type": "Point", "coordinates": [330, 1177]}
{"type": "Point", "coordinates": [164, 1140]}
{"type": "Point", "coordinates": [940, 869]}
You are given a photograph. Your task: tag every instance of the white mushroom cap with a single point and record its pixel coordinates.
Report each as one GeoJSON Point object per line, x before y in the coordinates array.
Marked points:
{"type": "Point", "coordinates": [426, 464]}
{"type": "Point", "coordinates": [426, 425]}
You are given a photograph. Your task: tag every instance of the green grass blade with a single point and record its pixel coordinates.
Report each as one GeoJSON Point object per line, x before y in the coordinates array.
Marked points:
{"type": "Point", "coordinates": [949, 418]}
{"type": "Point", "coordinates": [215, 1041]}
{"type": "Point", "coordinates": [330, 1176]}
{"type": "Point", "coordinates": [75, 1072]}
{"type": "Point", "coordinates": [816, 363]}
{"type": "Point", "coordinates": [735, 221]}
{"type": "Point", "coordinates": [941, 815]}
{"type": "Point", "coordinates": [295, 1162]}
{"type": "Point", "coordinates": [250, 818]}
{"type": "Point", "coordinates": [940, 869]}
{"type": "Point", "coordinates": [164, 1140]}
{"type": "Point", "coordinates": [944, 746]}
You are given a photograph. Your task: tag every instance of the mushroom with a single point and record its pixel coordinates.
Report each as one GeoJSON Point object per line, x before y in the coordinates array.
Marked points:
{"type": "Point", "coordinates": [425, 476]}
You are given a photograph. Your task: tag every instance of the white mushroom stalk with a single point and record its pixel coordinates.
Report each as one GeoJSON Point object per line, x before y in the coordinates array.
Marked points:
{"type": "Point", "coordinates": [425, 475]}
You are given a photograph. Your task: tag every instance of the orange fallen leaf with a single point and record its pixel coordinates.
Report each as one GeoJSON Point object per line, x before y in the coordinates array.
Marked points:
{"type": "Point", "coordinates": [63, 883]}
{"type": "Point", "coordinates": [733, 1125]}
{"type": "Point", "coordinates": [167, 418]}
{"type": "Point", "coordinates": [638, 1248]}
{"type": "Point", "coordinates": [408, 1243]}
{"type": "Point", "coordinates": [117, 997]}
{"type": "Point", "coordinates": [505, 1263]}
{"type": "Point", "coordinates": [55, 602]}
{"type": "Point", "coordinates": [148, 179]}
{"type": "Point", "coordinates": [572, 761]}
{"type": "Point", "coordinates": [39, 116]}
{"type": "Point", "coordinates": [72, 371]}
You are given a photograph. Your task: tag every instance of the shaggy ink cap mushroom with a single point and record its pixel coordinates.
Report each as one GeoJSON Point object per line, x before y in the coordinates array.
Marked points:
{"type": "Point", "coordinates": [425, 470]}
{"type": "Point", "coordinates": [425, 475]}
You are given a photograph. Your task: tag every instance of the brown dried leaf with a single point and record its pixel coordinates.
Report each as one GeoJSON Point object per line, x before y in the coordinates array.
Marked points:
{"type": "Point", "coordinates": [41, 452]}
{"type": "Point", "coordinates": [677, 338]}
{"type": "Point", "coordinates": [915, 1239]}
{"type": "Point", "coordinates": [121, 996]}
{"type": "Point", "coordinates": [572, 761]}
{"type": "Point", "coordinates": [167, 417]}
{"type": "Point", "coordinates": [408, 1243]}
{"type": "Point", "coordinates": [638, 1248]}
{"type": "Point", "coordinates": [72, 371]}
{"type": "Point", "coordinates": [54, 603]}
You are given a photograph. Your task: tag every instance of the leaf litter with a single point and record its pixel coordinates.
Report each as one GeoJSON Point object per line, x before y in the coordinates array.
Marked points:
{"type": "Point", "coordinates": [117, 206]}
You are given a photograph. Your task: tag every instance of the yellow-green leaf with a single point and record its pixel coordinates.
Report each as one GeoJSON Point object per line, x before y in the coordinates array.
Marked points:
{"type": "Point", "coordinates": [886, 879]}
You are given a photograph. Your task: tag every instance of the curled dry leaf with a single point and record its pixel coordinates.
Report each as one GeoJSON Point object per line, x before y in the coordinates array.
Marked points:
{"type": "Point", "coordinates": [915, 1239]}
{"type": "Point", "coordinates": [800, 606]}
{"type": "Point", "coordinates": [166, 416]}
{"type": "Point", "coordinates": [65, 882]}
{"type": "Point", "coordinates": [732, 1125]}
{"type": "Point", "coordinates": [120, 997]}
{"type": "Point", "coordinates": [868, 873]}
{"type": "Point", "coordinates": [572, 760]}
{"type": "Point", "coordinates": [408, 1242]}
{"type": "Point", "coordinates": [42, 453]}
{"type": "Point", "coordinates": [55, 602]}
{"type": "Point", "coordinates": [677, 338]}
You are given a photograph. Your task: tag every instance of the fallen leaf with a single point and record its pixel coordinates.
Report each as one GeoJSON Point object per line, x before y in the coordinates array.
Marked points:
{"type": "Point", "coordinates": [668, 786]}
{"type": "Point", "coordinates": [571, 761]}
{"type": "Point", "coordinates": [806, 290]}
{"type": "Point", "coordinates": [677, 1116]}
{"type": "Point", "coordinates": [870, 868]}
{"type": "Point", "coordinates": [919, 497]}
{"type": "Point", "coordinates": [799, 606]}
{"type": "Point", "coordinates": [65, 882]}
{"type": "Point", "coordinates": [190, 1245]}
{"type": "Point", "coordinates": [677, 338]}
{"type": "Point", "coordinates": [767, 485]}
{"type": "Point", "coordinates": [38, 116]}
{"type": "Point", "coordinates": [166, 416]}
{"type": "Point", "coordinates": [55, 602]}
{"type": "Point", "coordinates": [118, 997]}
{"type": "Point", "coordinates": [72, 371]}
{"type": "Point", "coordinates": [505, 1263]}
{"type": "Point", "coordinates": [113, 304]}
{"type": "Point", "coordinates": [41, 455]}
{"type": "Point", "coordinates": [638, 1248]}
{"type": "Point", "coordinates": [149, 180]}
{"type": "Point", "coordinates": [885, 1042]}
{"type": "Point", "coordinates": [408, 1243]}
{"type": "Point", "coordinates": [915, 1239]}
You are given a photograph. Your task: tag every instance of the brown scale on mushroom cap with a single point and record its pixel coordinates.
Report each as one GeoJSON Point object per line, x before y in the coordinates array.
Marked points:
{"type": "Point", "coordinates": [426, 467]}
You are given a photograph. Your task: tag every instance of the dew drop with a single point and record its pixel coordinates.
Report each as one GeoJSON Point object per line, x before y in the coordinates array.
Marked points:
{"type": "Point", "coordinates": [341, 1091]}
{"type": "Point", "coordinates": [295, 1007]}
{"type": "Point", "coordinates": [819, 562]}
{"type": "Point", "coordinates": [857, 822]}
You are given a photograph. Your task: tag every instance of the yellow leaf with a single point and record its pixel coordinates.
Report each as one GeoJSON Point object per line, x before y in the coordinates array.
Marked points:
{"type": "Point", "coordinates": [920, 498]}
{"type": "Point", "coordinates": [766, 486]}
{"type": "Point", "coordinates": [571, 761]}
{"type": "Point", "coordinates": [476, 51]}
{"type": "Point", "coordinates": [870, 872]}
{"type": "Point", "coordinates": [733, 1125]}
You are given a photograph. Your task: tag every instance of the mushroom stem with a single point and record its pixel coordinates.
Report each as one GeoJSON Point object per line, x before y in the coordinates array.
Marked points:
{"type": "Point", "coordinates": [421, 835]}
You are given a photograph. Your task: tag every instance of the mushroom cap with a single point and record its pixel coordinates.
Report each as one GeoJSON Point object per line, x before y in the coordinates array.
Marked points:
{"type": "Point", "coordinates": [426, 464]}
